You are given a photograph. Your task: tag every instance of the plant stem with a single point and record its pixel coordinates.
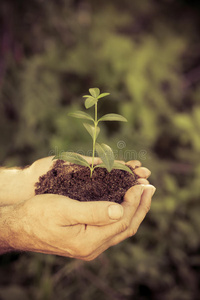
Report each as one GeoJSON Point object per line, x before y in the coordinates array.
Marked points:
{"type": "Point", "coordinates": [94, 140]}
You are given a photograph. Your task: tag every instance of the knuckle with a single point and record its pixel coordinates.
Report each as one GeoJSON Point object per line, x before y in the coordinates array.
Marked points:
{"type": "Point", "coordinates": [85, 254]}
{"type": "Point", "coordinates": [81, 251]}
{"type": "Point", "coordinates": [89, 257]}
{"type": "Point", "coordinates": [137, 163]}
{"type": "Point", "coordinates": [132, 231]}
{"type": "Point", "coordinates": [143, 181]}
{"type": "Point", "coordinates": [74, 250]}
{"type": "Point", "coordinates": [85, 251]}
{"type": "Point", "coordinates": [147, 208]}
{"type": "Point", "coordinates": [124, 226]}
{"type": "Point", "coordinates": [94, 214]}
{"type": "Point", "coordinates": [134, 163]}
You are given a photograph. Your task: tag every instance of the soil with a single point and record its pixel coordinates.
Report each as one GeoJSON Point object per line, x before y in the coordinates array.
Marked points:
{"type": "Point", "coordinates": [74, 181]}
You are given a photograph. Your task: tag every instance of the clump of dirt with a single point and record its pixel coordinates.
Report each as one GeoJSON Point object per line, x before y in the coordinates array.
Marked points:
{"type": "Point", "coordinates": [74, 181]}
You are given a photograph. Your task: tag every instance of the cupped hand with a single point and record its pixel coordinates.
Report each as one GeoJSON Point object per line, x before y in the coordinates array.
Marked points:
{"type": "Point", "coordinates": [58, 225]}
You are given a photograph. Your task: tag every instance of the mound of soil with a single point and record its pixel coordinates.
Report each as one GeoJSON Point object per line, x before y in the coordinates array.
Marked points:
{"type": "Point", "coordinates": [74, 181]}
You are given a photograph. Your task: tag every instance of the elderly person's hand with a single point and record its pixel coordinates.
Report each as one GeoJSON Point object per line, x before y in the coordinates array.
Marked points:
{"type": "Point", "coordinates": [58, 225]}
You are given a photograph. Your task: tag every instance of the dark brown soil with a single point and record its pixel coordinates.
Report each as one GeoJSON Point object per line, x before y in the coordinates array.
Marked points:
{"type": "Point", "coordinates": [74, 181]}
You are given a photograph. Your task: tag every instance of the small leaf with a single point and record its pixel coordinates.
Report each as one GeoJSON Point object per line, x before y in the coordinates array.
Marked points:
{"type": "Point", "coordinates": [102, 165]}
{"type": "Point", "coordinates": [80, 115]}
{"type": "Point", "coordinates": [94, 92]}
{"type": "Point", "coordinates": [91, 130]}
{"type": "Point", "coordinates": [113, 117]}
{"type": "Point", "coordinates": [88, 96]}
{"type": "Point", "coordinates": [103, 95]}
{"type": "Point", "coordinates": [89, 102]}
{"type": "Point", "coordinates": [120, 166]}
{"type": "Point", "coordinates": [106, 154]}
{"type": "Point", "coordinates": [73, 158]}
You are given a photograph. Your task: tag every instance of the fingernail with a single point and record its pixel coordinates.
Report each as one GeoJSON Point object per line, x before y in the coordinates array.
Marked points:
{"type": "Point", "coordinates": [151, 189]}
{"type": "Point", "coordinates": [115, 212]}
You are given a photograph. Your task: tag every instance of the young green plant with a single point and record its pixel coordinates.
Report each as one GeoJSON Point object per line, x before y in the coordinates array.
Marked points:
{"type": "Point", "coordinates": [104, 151]}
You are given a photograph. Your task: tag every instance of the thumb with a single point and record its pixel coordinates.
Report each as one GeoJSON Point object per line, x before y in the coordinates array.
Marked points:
{"type": "Point", "coordinates": [96, 212]}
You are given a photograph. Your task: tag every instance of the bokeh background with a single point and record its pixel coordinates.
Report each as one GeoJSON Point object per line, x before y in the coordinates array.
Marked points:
{"type": "Point", "coordinates": [146, 53]}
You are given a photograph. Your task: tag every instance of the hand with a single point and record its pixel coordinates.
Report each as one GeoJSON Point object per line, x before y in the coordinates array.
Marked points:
{"type": "Point", "coordinates": [142, 172]}
{"type": "Point", "coordinates": [58, 225]}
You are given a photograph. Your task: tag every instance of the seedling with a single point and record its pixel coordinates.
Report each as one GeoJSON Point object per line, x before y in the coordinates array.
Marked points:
{"type": "Point", "coordinates": [104, 151]}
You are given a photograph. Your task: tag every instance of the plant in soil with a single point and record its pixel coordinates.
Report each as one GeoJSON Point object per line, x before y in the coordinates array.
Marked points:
{"type": "Point", "coordinates": [103, 150]}
{"type": "Point", "coordinates": [82, 181]}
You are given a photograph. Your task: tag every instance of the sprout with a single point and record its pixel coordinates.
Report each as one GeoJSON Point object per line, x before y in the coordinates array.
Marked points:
{"type": "Point", "coordinates": [104, 151]}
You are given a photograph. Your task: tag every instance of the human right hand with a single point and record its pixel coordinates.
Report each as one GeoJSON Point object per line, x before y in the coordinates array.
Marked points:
{"type": "Point", "coordinates": [55, 224]}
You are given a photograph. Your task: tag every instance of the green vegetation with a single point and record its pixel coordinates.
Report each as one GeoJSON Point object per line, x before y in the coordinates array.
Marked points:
{"type": "Point", "coordinates": [146, 54]}
{"type": "Point", "coordinates": [104, 151]}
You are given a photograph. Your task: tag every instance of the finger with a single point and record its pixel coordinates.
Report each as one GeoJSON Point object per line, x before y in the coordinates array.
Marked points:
{"type": "Point", "coordinates": [143, 181]}
{"type": "Point", "coordinates": [93, 212]}
{"type": "Point", "coordinates": [144, 206]}
{"type": "Point", "coordinates": [142, 172]}
{"type": "Point", "coordinates": [41, 166]}
{"type": "Point", "coordinates": [132, 197]}
{"type": "Point", "coordinates": [134, 163]}
{"type": "Point", "coordinates": [110, 235]}
{"type": "Point", "coordinates": [130, 205]}
{"type": "Point", "coordinates": [137, 219]}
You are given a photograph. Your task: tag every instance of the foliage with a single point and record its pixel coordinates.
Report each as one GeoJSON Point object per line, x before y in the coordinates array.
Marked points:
{"type": "Point", "coordinates": [146, 53]}
{"type": "Point", "coordinates": [104, 151]}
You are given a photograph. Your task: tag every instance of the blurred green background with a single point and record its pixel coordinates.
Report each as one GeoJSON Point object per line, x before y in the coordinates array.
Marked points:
{"type": "Point", "coordinates": [147, 55]}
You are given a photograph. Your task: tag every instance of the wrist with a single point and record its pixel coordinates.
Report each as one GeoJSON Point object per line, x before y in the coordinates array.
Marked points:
{"type": "Point", "coordinates": [6, 234]}
{"type": "Point", "coordinates": [15, 185]}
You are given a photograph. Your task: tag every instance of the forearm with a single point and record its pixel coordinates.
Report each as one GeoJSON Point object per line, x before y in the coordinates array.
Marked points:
{"type": "Point", "coordinates": [5, 228]}
{"type": "Point", "coordinates": [15, 185]}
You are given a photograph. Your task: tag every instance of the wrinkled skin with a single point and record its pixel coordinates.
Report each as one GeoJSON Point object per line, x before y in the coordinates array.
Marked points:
{"type": "Point", "coordinates": [55, 224]}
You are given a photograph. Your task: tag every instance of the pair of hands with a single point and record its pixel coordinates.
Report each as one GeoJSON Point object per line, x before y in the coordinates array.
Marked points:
{"type": "Point", "coordinates": [55, 224]}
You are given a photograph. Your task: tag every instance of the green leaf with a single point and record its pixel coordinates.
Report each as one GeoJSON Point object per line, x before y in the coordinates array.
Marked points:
{"type": "Point", "coordinates": [106, 154]}
{"type": "Point", "coordinates": [94, 92]}
{"type": "Point", "coordinates": [116, 165]}
{"type": "Point", "coordinates": [103, 95]}
{"type": "Point", "coordinates": [89, 102]}
{"type": "Point", "coordinates": [120, 166]}
{"type": "Point", "coordinates": [73, 158]}
{"type": "Point", "coordinates": [88, 96]}
{"type": "Point", "coordinates": [91, 130]}
{"type": "Point", "coordinates": [80, 115]}
{"type": "Point", "coordinates": [113, 117]}
{"type": "Point", "coordinates": [100, 166]}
